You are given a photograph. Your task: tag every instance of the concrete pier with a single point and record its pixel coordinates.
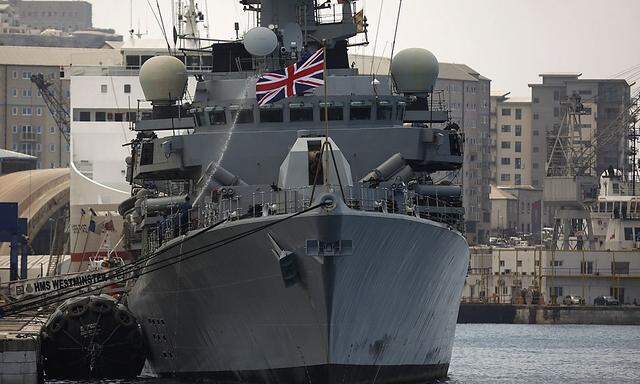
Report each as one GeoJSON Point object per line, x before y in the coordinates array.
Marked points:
{"type": "Point", "coordinates": [20, 350]}
{"type": "Point", "coordinates": [556, 314]}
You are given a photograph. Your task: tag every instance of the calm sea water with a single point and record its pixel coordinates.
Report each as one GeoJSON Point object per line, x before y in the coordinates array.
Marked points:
{"type": "Point", "coordinates": [534, 354]}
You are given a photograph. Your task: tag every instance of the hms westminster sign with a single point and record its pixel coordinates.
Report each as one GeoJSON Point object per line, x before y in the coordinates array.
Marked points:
{"type": "Point", "coordinates": [54, 283]}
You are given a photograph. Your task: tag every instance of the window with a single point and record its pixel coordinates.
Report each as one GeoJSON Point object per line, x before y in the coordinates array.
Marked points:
{"type": "Point", "coordinates": [518, 179]}
{"type": "Point", "coordinates": [300, 112]}
{"type": "Point", "coordinates": [584, 92]}
{"type": "Point", "coordinates": [52, 130]}
{"type": "Point", "coordinates": [26, 75]}
{"type": "Point", "coordinates": [536, 133]}
{"type": "Point", "coordinates": [555, 263]}
{"type": "Point", "coordinates": [52, 165]}
{"type": "Point", "coordinates": [38, 147]}
{"type": "Point", "coordinates": [118, 116]}
{"type": "Point", "coordinates": [359, 111]}
{"type": "Point", "coordinates": [586, 267]}
{"type": "Point", "coordinates": [535, 116]}
{"type": "Point", "coordinates": [502, 263]}
{"type": "Point", "coordinates": [271, 115]}
{"type": "Point", "coordinates": [506, 112]}
{"type": "Point", "coordinates": [27, 129]}
{"type": "Point", "coordinates": [27, 111]}
{"type": "Point", "coordinates": [518, 114]}
{"type": "Point", "coordinates": [38, 111]}
{"type": "Point", "coordinates": [101, 116]}
{"type": "Point", "coordinates": [384, 111]}
{"type": "Point", "coordinates": [14, 129]}
{"type": "Point", "coordinates": [505, 161]}
{"type": "Point", "coordinates": [52, 148]}
{"type": "Point", "coordinates": [14, 92]}
{"type": "Point", "coordinates": [84, 116]}
{"type": "Point", "coordinates": [518, 130]}
{"type": "Point", "coordinates": [505, 177]}
{"type": "Point", "coordinates": [555, 291]}
{"type": "Point", "coordinates": [335, 112]}
{"type": "Point", "coordinates": [127, 88]}
{"type": "Point", "coordinates": [620, 267]}
{"type": "Point", "coordinates": [535, 165]}
{"type": "Point", "coordinates": [217, 116]}
{"type": "Point", "coordinates": [518, 163]}
{"type": "Point", "coordinates": [518, 147]}
{"type": "Point", "coordinates": [505, 144]}
{"type": "Point", "coordinates": [26, 92]}
{"type": "Point", "coordinates": [67, 147]}
{"type": "Point", "coordinates": [39, 130]}
{"type": "Point", "coordinates": [556, 95]}
{"type": "Point", "coordinates": [242, 116]}
{"type": "Point", "coordinates": [103, 88]}
{"type": "Point", "coordinates": [14, 111]}
{"type": "Point", "coordinates": [536, 149]}
{"type": "Point", "coordinates": [14, 75]}
{"type": "Point", "coordinates": [536, 100]}
{"type": "Point", "coordinates": [506, 128]}
{"type": "Point", "coordinates": [519, 263]}
{"type": "Point", "coordinates": [628, 233]}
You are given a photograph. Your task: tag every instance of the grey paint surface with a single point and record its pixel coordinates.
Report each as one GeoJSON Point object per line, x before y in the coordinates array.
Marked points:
{"type": "Point", "coordinates": [392, 301]}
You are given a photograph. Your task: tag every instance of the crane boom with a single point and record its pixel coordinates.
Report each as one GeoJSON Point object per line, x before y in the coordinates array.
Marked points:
{"type": "Point", "coordinates": [57, 109]}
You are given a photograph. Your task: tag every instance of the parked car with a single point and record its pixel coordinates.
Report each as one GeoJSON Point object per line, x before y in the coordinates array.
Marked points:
{"type": "Point", "coordinates": [605, 300]}
{"type": "Point", "coordinates": [573, 300]}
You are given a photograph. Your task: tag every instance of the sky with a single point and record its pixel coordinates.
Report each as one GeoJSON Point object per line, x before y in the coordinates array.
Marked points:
{"type": "Point", "coordinates": [509, 41]}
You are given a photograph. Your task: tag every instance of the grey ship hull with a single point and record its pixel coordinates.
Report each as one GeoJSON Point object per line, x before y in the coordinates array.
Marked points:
{"type": "Point", "coordinates": [384, 311]}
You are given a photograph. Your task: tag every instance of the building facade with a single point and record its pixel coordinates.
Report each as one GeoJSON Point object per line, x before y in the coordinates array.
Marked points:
{"type": "Point", "coordinates": [501, 274]}
{"type": "Point", "coordinates": [513, 160]}
{"type": "Point", "coordinates": [603, 100]}
{"type": "Point", "coordinates": [62, 15]}
{"type": "Point", "coordinates": [26, 124]}
{"type": "Point", "coordinates": [466, 94]}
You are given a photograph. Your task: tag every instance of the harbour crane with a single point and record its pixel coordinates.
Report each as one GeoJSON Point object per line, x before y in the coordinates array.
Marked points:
{"type": "Point", "coordinates": [56, 107]}
{"type": "Point", "coordinates": [571, 182]}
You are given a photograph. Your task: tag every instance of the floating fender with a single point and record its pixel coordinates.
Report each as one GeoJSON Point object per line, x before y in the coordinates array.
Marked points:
{"type": "Point", "coordinates": [92, 337]}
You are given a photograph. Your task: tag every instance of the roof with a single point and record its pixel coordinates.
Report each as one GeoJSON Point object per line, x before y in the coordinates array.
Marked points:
{"type": "Point", "coordinates": [7, 154]}
{"type": "Point", "coordinates": [55, 56]}
{"type": "Point", "coordinates": [448, 71]}
{"type": "Point", "coordinates": [113, 44]}
{"type": "Point", "coordinates": [525, 187]}
{"type": "Point", "coordinates": [144, 44]}
{"type": "Point", "coordinates": [499, 194]}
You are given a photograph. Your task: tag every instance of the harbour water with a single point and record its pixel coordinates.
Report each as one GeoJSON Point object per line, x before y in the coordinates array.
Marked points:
{"type": "Point", "coordinates": [501, 353]}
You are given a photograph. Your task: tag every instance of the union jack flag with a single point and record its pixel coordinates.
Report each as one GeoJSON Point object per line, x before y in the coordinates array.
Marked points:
{"type": "Point", "coordinates": [296, 79]}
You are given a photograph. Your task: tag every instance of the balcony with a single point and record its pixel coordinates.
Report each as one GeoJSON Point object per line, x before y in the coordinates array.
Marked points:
{"type": "Point", "coordinates": [28, 136]}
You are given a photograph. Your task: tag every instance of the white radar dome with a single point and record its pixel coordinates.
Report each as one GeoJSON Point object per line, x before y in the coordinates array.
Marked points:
{"type": "Point", "coordinates": [415, 71]}
{"type": "Point", "coordinates": [163, 79]}
{"type": "Point", "coordinates": [260, 41]}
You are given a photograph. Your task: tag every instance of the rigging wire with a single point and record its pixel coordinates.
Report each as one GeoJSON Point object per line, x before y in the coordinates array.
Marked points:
{"type": "Point", "coordinates": [375, 42]}
{"type": "Point", "coordinates": [77, 291]}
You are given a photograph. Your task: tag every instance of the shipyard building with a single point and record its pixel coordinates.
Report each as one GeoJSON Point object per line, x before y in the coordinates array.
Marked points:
{"type": "Point", "coordinates": [466, 95]}
{"type": "Point", "coordinates": [26, 124]}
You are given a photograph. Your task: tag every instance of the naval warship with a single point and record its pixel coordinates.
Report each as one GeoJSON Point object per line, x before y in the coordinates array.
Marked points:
{"type": "Point", "coordinates": [287, 217]}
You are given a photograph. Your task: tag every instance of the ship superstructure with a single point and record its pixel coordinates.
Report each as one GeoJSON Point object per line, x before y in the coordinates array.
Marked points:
{"type": "Point", "coordinates": [299, 240]}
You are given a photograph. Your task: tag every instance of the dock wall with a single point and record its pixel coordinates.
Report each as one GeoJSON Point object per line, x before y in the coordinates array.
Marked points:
{"type": "Point", "coordinates": [18, 360]}
{"type": "Point", "coordinates": [537, 314]}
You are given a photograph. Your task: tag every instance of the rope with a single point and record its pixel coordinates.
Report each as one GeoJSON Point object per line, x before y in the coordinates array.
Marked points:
{"type": "Point", "coordinates": [6, 309]}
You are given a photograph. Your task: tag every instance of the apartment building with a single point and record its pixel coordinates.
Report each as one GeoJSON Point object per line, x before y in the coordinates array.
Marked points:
{"type": "Point", "coordinates": [26, 124]}
{"type": "Point", "coordinates": [62, 15]}
{"type": "Point", "coordinates": [513, 159]}
{"type": "Point", "coordinates": [603, 99]}
{"type": "Point", "coordinates": [466, 94]}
